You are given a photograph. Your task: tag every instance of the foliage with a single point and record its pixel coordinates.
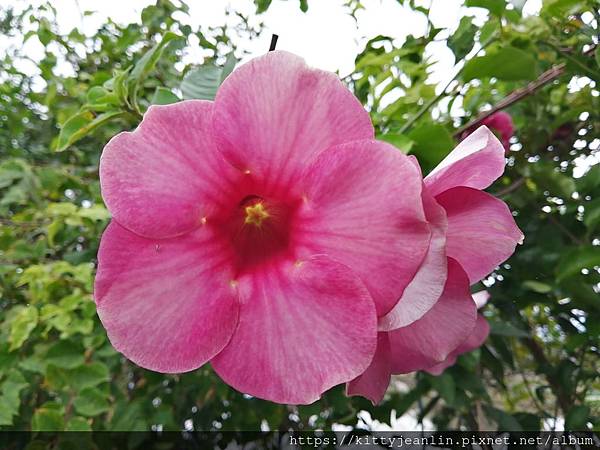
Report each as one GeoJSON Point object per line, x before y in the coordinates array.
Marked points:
{"type": "Point", "coordinates": [57, 369]}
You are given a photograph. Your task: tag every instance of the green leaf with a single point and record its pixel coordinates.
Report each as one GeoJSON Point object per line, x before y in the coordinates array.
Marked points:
{"type": "Point", "coordinates": [22, 326]}
{"type": "Point", "coordinates": [506, 329]}
{"type": "Point", "coordinates": [47, 418]}
{"type": "Point", "coordinates": [78, 424]}
{"type": "Point", "coordinates": [591, 217]}
{"type": "Point", "coordinates": [507, 63]}
{"type": "Point", "coordinates": [597, 56]}
{"type": "Point", "coordinates": [572, 262]}
{"type": "Point", "coordinates": [577, 418]}
{"type": "Point", "coordinates": [496, 7]}
{"type": "Point", "coordinates": [400, 141]}
{"type": "Point", "coordinates": [536, 286]}
{"type": "Point", "coordinates": [304, 5]}
{"type": "Point", "coordinates": [202, 83]}
{"type": "Point", "coordinates": [98, 98]}
{"type": "Point", "coordinates": [518, 4]}
{"type": "Point", "coordinates": [461, 42]}
{"type": "Point", "coordinates": [445, 385]}
{"type": "Point", "coordinates": [91, 402]}
{"type": "Point", "coordinates": [163, 96]}
{"type": "Point", "coordinates": [147, 62]}
{"type": "Point", "coordinates": [66, 355]}
{"type": "Point", "coordinates": [562, 8]}
{"type": "Point", "coordinates": [88, 375]}
{"type": "Point", "coordinates": [432, 142]}
{"type": "Point", "coordinates": [80, 125]}
{"type": "Point", "coordinates": [262, 5]}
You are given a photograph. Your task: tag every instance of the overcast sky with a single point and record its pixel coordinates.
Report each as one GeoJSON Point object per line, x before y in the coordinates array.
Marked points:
{"type": "Point", "coordinates": [326, 36]}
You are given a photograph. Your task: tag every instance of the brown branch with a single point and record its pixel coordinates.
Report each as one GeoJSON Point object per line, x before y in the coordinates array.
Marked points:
{"type": "Point", "coordinates": [511, 188]}
{"type": "Point", "coordinates": [547, 77]}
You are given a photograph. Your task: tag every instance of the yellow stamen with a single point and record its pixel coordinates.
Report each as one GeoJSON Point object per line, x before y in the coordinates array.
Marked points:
{"type": "Point", "coordinates": [255, 214]}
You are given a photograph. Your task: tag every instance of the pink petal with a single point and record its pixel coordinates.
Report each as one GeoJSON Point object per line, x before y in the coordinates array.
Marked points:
{"type": "Point", "coordinates": [482, 232]}
{"type": "Point", "coordinates": [363, 208]}
{"type": "Point", "coordinates": [476, 162]}
{"type": "Point", "coordinates": [303, 328]}
{"type": "Point", "coordinates": [474, 341]}
{"type": "Point", "coordinates": [274, 114]}
{"type": "Point", "coordinates": [439, 368]}
{"type": "Point", "coordinates": [477, 337]}
{"type": "Point", "coordinates": [374, 381]}
{"type": "Point", "coordinates": [167, 305]}
{"type": "Point", "coordinates": [432, 338]}
{"type": "Point", "coordinates": [426, 287]}
{"type": "Point", "coordinates": [163, 178]}
{"type": "Point", "coordinates": [481, 298]}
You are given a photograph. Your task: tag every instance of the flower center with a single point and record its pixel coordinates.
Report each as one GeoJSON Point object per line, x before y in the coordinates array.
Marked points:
{"type": "Point", "coordinates": [256, 214]}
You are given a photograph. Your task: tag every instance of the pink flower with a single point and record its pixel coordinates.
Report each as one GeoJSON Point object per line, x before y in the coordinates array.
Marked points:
{"type": "Point", "coordinates": [264, 232]}
{"type": "Point", "coordinates": [472, 232]}
{"type": "Point", "coordinates": [501, 122]}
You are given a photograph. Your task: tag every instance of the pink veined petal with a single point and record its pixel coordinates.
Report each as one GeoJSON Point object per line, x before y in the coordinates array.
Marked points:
{"type": "Point", "coordinates": [303, 328]}
{"type": "Point", "coordinates": [166, 304]}
{"type": "Point", "coordinates": [363, 208]}
{"type": "Point", "coordinates": [428, 283]}
{"type": "Point", "coordinates": [432, 338]}
{"type": "Point", "coordinates": [161, 179]}
{"type": "Point", "coordinates": [476, 162]}
{"type": "Point", "coordinates": [474, 341]}
{"type": "Point", "coordinates": [374, 381]}
{"type": "Point", "coordinates": [482, 232]}
{"type": "Point", "coordinates": [274, 114]}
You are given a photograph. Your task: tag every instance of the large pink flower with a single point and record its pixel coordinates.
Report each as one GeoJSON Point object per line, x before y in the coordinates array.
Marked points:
{"type": "Point", "coordinates": [472, 232]}
{"type": "Point", "coordinates": [264, 232]}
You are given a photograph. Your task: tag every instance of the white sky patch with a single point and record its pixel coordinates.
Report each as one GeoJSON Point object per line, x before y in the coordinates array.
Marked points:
{"type": "Point", "coordinates": [326, 35]}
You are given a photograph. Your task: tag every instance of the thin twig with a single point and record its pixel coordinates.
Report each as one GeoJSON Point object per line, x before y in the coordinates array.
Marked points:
{"type": "Point", "coordinates": [547, 77]}
{"type": "Point", "coordinates": [511, 188]}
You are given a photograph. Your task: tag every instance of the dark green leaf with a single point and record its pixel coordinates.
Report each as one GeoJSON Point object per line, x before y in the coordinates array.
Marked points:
{"type": "Point", "coordinates": [47, 418]}
{"type": "Point", "coordinates": [432, 142]}
{"type": "Point", "coordinates": [461, 42]}
{"type": "Point", "coordinates": [577, 418]}
{"type": "Point", "coordinates": [572, 262]}
{"type": "Point", "coordinates": [496, 7]}
{"type": "Point", "coordinates": [91, 402]}
{"type": "Point", "coordinates": [506, 329]}
{"type": "Point", "coordinates": [445, 385]}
